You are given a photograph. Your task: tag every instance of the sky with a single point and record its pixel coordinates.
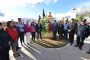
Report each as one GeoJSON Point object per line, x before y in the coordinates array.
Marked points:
{"type": "Point", "coordinates": [33, 8]}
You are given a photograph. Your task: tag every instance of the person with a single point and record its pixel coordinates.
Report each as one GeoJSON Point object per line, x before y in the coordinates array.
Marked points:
{"type": "Point", "coordinates": [17, 43]}
{"type": "Point", "coordinates": [33, 30]}
{"type": "Point", "coordinates": [88, 52]}
{"type": "Point", "coordinates": [54, 29]}
{"type": "Point", "coordinates": [4, 44]}
{"type": "Point", "coordinates": [60, 30]}
{"type": "Point", "coordinates": [76, 21]}
{"type": "Point", "coordinates": [12, 32]}
{"type": "Point", "coordinates": [39, 30]}
{"type": "Point", "coordinates": [81, 34]}
{"type": "Point", "coordinates": [20, 25]}
{"type": "Point", "coordinates": [27, 29]}
{"type": "Point", "coordinates": [49, 26]}
{"type": "Point", "coordinates": [49, 29]}
{"type": "Point", "coordinates": [72, 28]}
{"type": "Point", "coordinates": [66, 27]}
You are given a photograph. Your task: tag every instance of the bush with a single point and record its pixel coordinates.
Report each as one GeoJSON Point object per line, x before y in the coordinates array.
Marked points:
{"type": "Point", "coordinates": [44, 25]}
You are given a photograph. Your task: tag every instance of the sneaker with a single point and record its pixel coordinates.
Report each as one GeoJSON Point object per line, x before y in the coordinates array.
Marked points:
{"type": "Point", "coordinates": [71, 43]}
{"type": "Point", "coordinates": [28, 43]}
{"type": "Point", "coordinates": [16, 55]}
{"type": "Point", "coordinates": [88, 52]}
{"type": "Point", "coordinates": [80, 48]}
{"type": "Point", "coordinates": [18, 47]}
{"type": "Point", "coordinates": [76, 46]}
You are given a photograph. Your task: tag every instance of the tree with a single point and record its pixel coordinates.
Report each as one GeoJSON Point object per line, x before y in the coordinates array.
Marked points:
{"type": "Point", "coordinates": [80, 17]}
{"type": "Point", "coordinates": [43, 13]}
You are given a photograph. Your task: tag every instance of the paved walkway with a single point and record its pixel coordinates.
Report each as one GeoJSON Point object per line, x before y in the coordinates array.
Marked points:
{"type": "Point", "coordinates": [36, 52]}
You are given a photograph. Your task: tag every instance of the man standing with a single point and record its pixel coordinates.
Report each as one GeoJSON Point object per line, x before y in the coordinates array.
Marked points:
{"type": "Point", "coordinates": [66, 26]}
{"type": "Point", "coordinates": [38, 30]}
{"type": "Point", "coordinates": [88, 52]}
{"type": "Point", "coordinates": [54, 29]}
{"type": "Point", "coordinates": [20, 25]}
{"type": "Point", "coordinates": [81, 34]}
{"type": "Point", "coordinates": [60, 30]}
{"type": "Point", "coordinates": [72, 28]}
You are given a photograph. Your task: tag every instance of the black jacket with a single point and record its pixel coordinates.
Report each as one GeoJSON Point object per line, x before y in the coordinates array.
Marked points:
{"type": "Point", "coordinates": [38, 28]}
{"type": "Point", "coordinates": [86, 31]}
{"type": "Point", "coordinates": [4, 39]}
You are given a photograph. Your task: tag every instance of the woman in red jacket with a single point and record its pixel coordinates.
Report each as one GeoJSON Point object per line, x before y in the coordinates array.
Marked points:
{"type": "Point", "coordinates": [12, 32]}
{"type": "Point", "coordinates": [27, 29]}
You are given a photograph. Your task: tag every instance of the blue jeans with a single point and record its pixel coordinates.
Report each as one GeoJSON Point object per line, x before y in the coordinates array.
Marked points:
{"type": "Point", "coordinates": [66, 34]}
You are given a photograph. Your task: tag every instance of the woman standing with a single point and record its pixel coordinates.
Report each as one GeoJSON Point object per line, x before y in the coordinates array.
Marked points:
{"type": "Point", "coordinates": [27, 29]}
{"type": "Point", "coordinates": [33, 30]}
{"type": "Point", "coordinates": [12, 32]}
{"type": "Point", "coordinates": [4, 44]}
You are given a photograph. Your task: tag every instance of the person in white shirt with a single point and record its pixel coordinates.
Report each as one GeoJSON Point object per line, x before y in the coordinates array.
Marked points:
{"type": "Point", "coordinates": [66, 27]}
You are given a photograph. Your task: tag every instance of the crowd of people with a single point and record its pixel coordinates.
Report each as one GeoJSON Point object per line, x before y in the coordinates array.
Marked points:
{"type": "Point", "coordinates": [10, 35]}
{"type": "Point", "coordinates": [68, 30]}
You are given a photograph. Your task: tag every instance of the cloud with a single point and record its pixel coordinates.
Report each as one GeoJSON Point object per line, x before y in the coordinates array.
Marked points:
{"type": "Point", "coordinates": [22, 3]}
{"type": "Point", "coordinates": [85, 3]}
{"type": "Point", "coordinates": [1, 14]}
{"type": "Point", "coordinates": [8, 6]}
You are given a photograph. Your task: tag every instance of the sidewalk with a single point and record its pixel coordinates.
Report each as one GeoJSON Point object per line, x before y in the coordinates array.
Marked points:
{"type": "Point", "coordinates": [36, 52]}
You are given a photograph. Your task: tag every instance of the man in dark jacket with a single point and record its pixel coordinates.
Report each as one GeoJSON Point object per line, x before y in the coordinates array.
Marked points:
{"type": "Point", "coordinates": [72, 28]}
{"type": "Point", "coordinates": [38, 30]}
{"type": "Point", "coordinates": [54, 29]}
{"type": "Point", "coordinates": [81, 34]}
{"type": "Point", "coordinates": [89, 46]}
{"type": "Point", "coordinates": [4, 44]}
{"type": "Point", "coordinates": [60, 30]}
